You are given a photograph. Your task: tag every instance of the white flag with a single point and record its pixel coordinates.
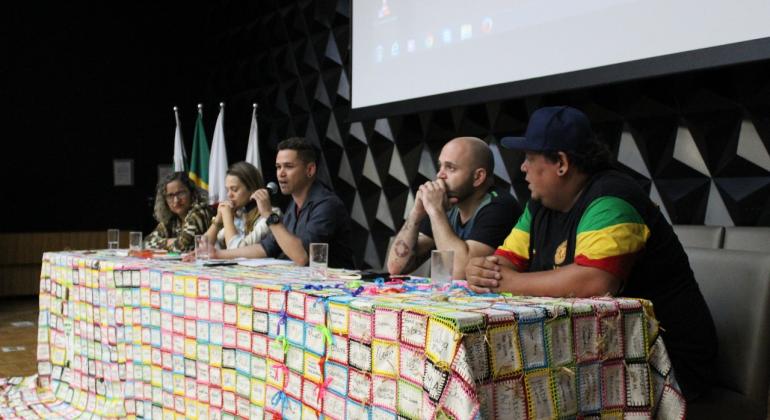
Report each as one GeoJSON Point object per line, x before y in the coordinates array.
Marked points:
{"type": "Point", "coordinates": [218, 160]}
{"type": "Point", "coordinates": [252, 151]}
{"type": "Point", "coordinates": [180, 157]}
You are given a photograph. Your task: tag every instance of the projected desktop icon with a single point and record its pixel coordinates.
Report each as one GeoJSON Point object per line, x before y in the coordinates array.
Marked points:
{"type": "Point", "coordinates": [379, 53]}
{"type": "Point", "coordinates": [486, 25]}
{"type": "Point", "coordinates": [384, 10]}
{"type": "Point", "coordinates": [411, 46]}
{"type": "Point", "coordinates": [466, 31]}
{"type": "Point", "coordinates": [446, 36]}
{"type": "Point", "coordinates": [429, 41]}
{"type": "Point", "coordinates": [394, 49]}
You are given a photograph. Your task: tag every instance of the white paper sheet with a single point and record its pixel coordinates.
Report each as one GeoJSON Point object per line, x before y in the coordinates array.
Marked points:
{"type": "Point", "coordinates": [259, 262]}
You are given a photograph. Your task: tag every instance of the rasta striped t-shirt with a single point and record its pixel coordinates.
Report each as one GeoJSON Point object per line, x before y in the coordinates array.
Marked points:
{"type": "Point", "coordinates": [614, 226]}
{"type": "Point", "coordinates": [609, 234]}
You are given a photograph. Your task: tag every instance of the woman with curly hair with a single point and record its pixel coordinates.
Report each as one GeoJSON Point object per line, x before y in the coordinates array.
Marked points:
{"type": "Point", "coordinates": [182, 212]}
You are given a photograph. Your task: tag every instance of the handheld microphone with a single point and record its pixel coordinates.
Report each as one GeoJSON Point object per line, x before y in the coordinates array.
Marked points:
{"type": "Point", "coordinates": [272, 187]}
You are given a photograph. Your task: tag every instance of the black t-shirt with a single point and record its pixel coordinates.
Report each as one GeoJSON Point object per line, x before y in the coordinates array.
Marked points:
{"type": "Point", "coordinates": [660, 273]}
{"type": "Point", "coordinates": [491, 223]}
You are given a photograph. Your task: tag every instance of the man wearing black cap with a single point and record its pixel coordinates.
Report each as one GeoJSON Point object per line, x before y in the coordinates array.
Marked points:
{"type": "Point", "coordinates": [589, 231]}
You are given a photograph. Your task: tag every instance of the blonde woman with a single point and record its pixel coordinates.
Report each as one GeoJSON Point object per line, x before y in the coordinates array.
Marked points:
{"type": "Point", "coordinates": [237, 223]}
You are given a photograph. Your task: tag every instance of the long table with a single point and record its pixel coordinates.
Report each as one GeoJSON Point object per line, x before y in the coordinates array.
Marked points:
{"type": "Point", "coordinates": [124, 337]}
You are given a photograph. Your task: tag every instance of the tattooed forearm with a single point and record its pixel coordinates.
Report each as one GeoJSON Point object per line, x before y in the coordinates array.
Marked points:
{"type": "Point", "coordinates": [402, 256]}
{"type": "Point", "coordinates": [408, 225]}
{"type": "Point", "coordinates": [402, 249]}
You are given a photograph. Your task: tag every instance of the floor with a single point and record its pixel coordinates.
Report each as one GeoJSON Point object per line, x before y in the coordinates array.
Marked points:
{"type": "Point", "coordinates": [18, 336]}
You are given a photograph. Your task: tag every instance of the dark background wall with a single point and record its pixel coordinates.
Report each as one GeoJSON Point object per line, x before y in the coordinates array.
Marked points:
{"type": "Point", "coordinates": [88, 83]}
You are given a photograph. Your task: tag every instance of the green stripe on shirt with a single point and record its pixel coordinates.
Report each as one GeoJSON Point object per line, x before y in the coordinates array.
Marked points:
{"type": "Point", "coordinates": [608, 211]}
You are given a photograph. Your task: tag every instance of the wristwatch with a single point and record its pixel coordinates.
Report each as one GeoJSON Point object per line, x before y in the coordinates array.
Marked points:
{"type": "Point", "coordinates": [273, 219]}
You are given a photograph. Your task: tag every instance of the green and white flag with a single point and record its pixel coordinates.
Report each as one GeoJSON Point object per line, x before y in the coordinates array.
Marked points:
{"type": "Point", "coordinates": [199, 165]}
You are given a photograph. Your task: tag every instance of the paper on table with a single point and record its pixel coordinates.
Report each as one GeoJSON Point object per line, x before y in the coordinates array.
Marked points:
{"type": "Point", "coordinates": [259, 262]}
{"type": "Point", "coordinates": [342, 274]}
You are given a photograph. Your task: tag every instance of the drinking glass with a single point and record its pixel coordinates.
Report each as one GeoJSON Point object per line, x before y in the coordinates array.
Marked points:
{"type": "Point", "coordinates": [135, 241]}
{"type": "Point", "coordinates": [202, 245]}
{"type": "Point", "coordinates": [441, 263]}
{"type": "Point", "coordinates": [319, 259]}
{"type": "Point", "coordinates": [113, 238]}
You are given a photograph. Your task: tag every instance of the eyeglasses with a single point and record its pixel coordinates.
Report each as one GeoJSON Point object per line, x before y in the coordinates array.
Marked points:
{"type": "Point", "coordinates": [180, 195]}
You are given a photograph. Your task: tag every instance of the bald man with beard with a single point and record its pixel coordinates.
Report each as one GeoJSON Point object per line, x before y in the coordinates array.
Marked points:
{"type": "Point", "coordinates": [461, 211]}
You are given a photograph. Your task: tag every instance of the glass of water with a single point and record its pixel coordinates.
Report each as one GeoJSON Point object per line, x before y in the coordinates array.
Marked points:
{"type": "Point", "coordinates": [202, 248]}
{"type": "Point", "coordinates": [441, 264]}
{"type": "Point", "coordinates": [135, 241]}
{"type": "Point", "coordinates": [113, 238]}
{"type": "Point", "coordinates": [319, 260]}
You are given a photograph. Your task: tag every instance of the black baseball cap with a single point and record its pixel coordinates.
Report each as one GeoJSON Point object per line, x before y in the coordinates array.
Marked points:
{"type": "Point", "coordinates": [553, 129]}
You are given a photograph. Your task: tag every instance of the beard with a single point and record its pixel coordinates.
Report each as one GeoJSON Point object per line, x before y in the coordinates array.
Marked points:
{"type": "Point", "coordinates": [461, 192]}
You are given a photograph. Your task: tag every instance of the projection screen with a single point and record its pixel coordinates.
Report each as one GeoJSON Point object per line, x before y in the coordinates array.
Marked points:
{"type": "Point", "coordinates": [412, 55]}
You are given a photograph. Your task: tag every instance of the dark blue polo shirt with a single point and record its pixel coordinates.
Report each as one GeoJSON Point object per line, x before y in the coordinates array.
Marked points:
{"type": "Point", "coordinates": [322, 218]}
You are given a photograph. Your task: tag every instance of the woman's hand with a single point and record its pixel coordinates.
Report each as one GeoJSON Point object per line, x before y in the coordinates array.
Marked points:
{"type": "Point", "coordinates": [224, 212]}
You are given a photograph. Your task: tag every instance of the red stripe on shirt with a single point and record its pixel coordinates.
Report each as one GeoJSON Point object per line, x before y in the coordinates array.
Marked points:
{"type": "Point", "coordinates": [618, 265]}
{"type": "Point", "coordinates": [521, 264]}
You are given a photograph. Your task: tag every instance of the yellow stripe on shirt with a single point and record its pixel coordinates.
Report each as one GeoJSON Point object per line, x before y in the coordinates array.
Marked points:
{"type": "Point", "coordinates": [612, 241]}
{"type": "Point", "coordinates": [517, 242]}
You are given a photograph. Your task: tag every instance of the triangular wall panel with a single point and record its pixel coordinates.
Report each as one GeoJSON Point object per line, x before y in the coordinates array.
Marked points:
{"type": "Point", "coordinates": [700, 147]}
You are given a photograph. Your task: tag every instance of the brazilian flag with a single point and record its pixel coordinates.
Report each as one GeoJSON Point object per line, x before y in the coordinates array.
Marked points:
{"type": "Point", "coordinates": [199, 164]}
